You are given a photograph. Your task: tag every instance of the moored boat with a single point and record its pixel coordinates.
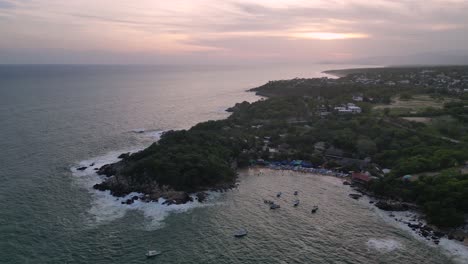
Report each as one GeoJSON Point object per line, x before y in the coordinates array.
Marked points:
{"type": "Point", "coordinates": [240, 233]}
{"type": "Point", "coordinates": [274, 206]}
{"type": "Point", "coordinates": [314, 209]}
{"type": "Point", "coordinates": [152, 253]}
{"type": "Point", "coordinates": [296, 203]}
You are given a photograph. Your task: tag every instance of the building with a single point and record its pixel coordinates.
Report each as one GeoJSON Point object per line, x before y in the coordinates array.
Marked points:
{"type": "Point", "coordinates": [361, 178]}
{"type": "Point", "coordinates": [355, 109]}
{"type": "Point", "coordinates": [358, 98]}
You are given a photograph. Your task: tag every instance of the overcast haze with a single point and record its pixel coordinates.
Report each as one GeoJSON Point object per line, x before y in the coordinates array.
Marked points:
{"type": "Point", "coordinates": [232, 31]}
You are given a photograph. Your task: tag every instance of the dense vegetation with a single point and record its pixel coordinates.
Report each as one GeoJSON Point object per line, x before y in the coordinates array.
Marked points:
{"type": "Point", "coordinates": [443, 198]}
{"type": "Point", "coordinates": [184, 160]}
{"type": "Point", "coordinates": [298, 121]}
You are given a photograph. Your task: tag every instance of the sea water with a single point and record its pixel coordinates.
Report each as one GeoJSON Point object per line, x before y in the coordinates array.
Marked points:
{"type": "Point", "coordinates": [56, 118]}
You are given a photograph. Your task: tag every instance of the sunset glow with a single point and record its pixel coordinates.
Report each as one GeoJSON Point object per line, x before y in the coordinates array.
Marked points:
{"type": "Point", "coordinates": [329, 36]}
{"type": "Point", "coordinates": [159, 30]}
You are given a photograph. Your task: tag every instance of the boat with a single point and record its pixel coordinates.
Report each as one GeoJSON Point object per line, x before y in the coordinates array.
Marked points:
{"type": "Point", "coordinates": [278, 194]}
{"type": "Point", "coordinates": [274, 206]}
{"type": "Point", "coordinates": [152, 253]}
{"type": "Point", "coordinates": [240, 233]}
{"type": "Point", "coordinates": [295, 192]}
{"type": "Point", "coordinates": [296, 203]}
{"type": "Point", "coordinates": [314, 209]}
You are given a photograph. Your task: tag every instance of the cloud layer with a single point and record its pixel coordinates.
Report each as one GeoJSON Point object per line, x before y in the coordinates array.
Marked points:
{"type": "Point", "coordinates": [152, 31]}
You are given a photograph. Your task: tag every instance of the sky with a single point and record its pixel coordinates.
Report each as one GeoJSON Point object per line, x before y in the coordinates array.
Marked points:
{"type": "Point", "coordinates": [227, 31]}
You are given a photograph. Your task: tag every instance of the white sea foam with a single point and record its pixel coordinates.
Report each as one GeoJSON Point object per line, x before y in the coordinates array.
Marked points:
{"type": "Point", "coordinates": [138, 130]}
{"type": "Point", "coordinates": [152, 134]}
{"type": "Point", "coordinates": [384, 245]}
{"type": "Point", "coordinates": [454, 249]}
{"type": "Point", "coordinates": [457, 251]}
{"type": "Point", "coordinates": [106, 208]}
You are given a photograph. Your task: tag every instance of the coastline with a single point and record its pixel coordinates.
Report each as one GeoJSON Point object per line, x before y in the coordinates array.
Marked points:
{"type": "Point", "coordinates": [407, 220]}
{"type": "Point", "coordinates": [106, 207]}
{"type": "Point", "coordinates": [168, 196]}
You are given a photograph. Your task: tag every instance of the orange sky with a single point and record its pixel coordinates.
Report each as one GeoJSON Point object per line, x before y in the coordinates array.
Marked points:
{"type": "Point", "coordinates": [229, 30]}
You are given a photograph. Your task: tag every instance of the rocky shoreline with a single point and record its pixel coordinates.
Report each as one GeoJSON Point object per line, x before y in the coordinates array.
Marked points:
{"type": "Point", "coordinates": [413, 219]}
{"type": "Point", "coordinates": [119, 186]}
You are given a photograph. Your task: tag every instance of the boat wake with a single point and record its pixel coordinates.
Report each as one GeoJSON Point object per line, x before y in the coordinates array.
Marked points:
{"type": "Point", "coordinates": [105, 208]}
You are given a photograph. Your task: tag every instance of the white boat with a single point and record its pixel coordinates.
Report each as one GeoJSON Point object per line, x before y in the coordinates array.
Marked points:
{"type": "Point", "coordinates": [152, 253]}
{"type": "Point", "coordinates": [274, 206]}
{"type": "Point", "coordinates": [296, 203]}
{"type": "Point", "coordinates": [240, 233]}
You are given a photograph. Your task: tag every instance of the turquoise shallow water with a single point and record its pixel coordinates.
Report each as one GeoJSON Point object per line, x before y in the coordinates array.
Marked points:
{"type": "Point", "coordinates": [55, 118]}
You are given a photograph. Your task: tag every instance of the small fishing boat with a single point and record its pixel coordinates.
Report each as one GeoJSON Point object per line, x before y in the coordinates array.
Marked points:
{"type": "Point", "coordinates": [274, 206]}
{"type": "Point", "coordinates": [278, 194]}
{"type": "Point", "coordinates": [296, 203]}
{"type": "Point", "coordinates": [295, 192]}
{"type": "Point", "coordinates": [314, 209]}
{"type": "Point", "coordinates": [152, 253]}
{"type": "Point", "coordinates": [240, 233]}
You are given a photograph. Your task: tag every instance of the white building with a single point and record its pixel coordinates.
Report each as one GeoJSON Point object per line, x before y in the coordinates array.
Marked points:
{"type": "Point", "coordinates": [355, 109]}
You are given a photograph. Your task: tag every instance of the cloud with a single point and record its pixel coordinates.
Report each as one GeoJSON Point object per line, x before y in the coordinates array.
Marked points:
{"type": "Point", "coordinates": [299, 29]}
{"type": "Point", "coordinates": [6, 4]}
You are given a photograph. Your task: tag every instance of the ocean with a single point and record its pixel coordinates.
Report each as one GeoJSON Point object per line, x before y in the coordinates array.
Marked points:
{"type": "Point", "coordinates": [56, 118]}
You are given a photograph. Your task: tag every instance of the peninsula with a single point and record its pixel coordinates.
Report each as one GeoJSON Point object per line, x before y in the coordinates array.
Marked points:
{"type": "Point", "coordinates": [404, 129]}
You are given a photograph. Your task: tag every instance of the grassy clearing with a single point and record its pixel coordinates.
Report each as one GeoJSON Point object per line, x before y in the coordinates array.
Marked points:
{"type": "Point", "coordinates": [416, 103]}
{"type": "Point", "coordinates": [424, 120]}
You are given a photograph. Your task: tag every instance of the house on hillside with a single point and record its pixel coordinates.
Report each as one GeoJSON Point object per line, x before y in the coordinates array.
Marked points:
{"type": "Point", "coordinates": [355, 109]}
{"type": "Point", "coordinates": [358, 98]}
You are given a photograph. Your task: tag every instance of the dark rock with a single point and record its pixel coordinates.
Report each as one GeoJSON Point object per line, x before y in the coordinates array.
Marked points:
{"type": "Point", "coordinates": [355, 195]}
{"type": "Point", "coordinates": [426, 228]}
{"type": "Point", "coordinates": [201, 196]}
{"type": "Point", "coordinates": [438, 234]}
{"type": "Point", "coordinates": [92, 164]}
{"type": "Point", "coordinates": [450, 236]}
{"type": "Point", "coordinates": [371, 202]}
{"type": "Point", "coordinates": [391, 206]}
{"type": "Point", "coordinates": [107, 170]}
{"type": "Point", "coordinates": [101, 186]}
{"type": "Point", "coordinates": [124, 155]}
{"type": "Point", "coordinates": [82, 168]}
{"type": "Point", "coordinates": [424, 233]}
{"type": "Point", "coordinates": [177, 198]}
{"type": "Point", "coordinates": [346, 183]}
{"type": "Point", "coordinates": [414, 225]}
{"type": "Point", "coordinates": [96, 169]}
{"type": "Point", "coordinates": [129, 201]}
{"type": "Point", "coordinates": [134, 198]}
